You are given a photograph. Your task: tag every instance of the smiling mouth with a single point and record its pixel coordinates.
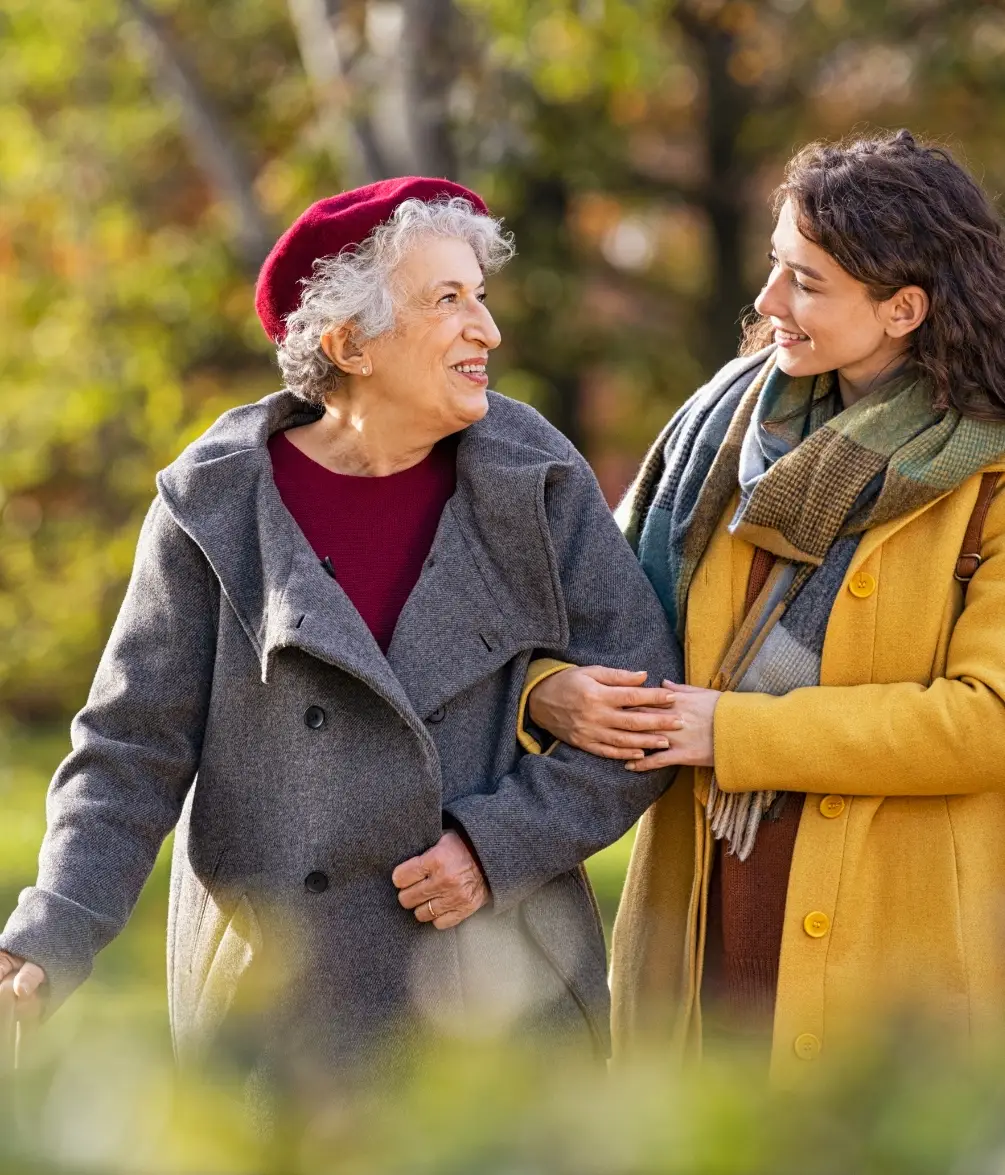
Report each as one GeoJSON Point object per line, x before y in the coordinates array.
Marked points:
{"type": "Point", "coordinates": [474, 371]}
{"type": "Point", "coordinates": [789, 337]}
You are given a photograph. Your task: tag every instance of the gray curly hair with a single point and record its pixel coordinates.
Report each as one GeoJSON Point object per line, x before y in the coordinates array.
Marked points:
{"type": "Point", "coordinates": [357, 286]}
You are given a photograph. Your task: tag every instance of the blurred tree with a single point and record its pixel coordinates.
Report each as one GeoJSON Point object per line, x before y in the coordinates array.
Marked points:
{"type": "Point", "coordinates": [328, 38]}
{"type": "Point", "coordinates": [124, 290]}
{"type": "Point", "coordinates": [151, 149]}
{"type": "Point", "coordinates": [657, 129]}
{"type": "Point", "coordinates": [217, 152]}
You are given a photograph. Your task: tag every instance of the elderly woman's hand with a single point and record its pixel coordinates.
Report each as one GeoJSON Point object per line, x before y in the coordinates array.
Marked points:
{"type": "Point", "coordinates": [596, 710]}
{"type": "Point", "coordinates": [444, 885]}
{"type": "Point", "coordinates": [20, 999]}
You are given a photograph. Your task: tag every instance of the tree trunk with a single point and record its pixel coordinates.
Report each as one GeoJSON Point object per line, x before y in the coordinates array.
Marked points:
{"type": "Point", "coordinates": [315, 23]}
{"type": "Point", "coordinates": [216, 151]}
{"type": "Point", "coordinates": [726, 104]}
{"type": "Point", "coordinates": [541, 228]}
{"type": "Point", "coordinates": [430, 58]}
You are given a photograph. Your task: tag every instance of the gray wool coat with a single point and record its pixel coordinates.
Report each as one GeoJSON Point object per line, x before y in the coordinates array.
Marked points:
{"type": "Point", "coordinates": [242, 699]}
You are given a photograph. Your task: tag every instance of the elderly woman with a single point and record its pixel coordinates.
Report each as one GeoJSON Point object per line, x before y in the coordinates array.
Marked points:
{"type": "Point", "coordinates": [825, 526]}
{"type": "Point", "coordinates": [316, 672]}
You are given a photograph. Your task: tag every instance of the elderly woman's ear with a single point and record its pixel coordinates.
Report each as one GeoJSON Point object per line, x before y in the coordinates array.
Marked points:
{"type": "Point", "coordinates": [343, 348]}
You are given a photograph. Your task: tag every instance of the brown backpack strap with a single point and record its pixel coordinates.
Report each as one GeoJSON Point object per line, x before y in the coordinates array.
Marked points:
{"type": "Point", "coordinates": [970, 551]}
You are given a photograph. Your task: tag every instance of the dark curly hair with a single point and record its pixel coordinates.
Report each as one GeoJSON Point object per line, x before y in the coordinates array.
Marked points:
{"type": "Point", "coordinates": [895, 212]}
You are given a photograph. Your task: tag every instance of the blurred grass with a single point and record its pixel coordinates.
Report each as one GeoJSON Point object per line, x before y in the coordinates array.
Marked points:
{"type": "Point", "coordinates": [129, 984]}
{"type": "Point", "coordinates": [607, 873]}
{"type": "Point", "coordinates": [99, 1094]}
{"type": "Point", "coordinates": [27, 761]}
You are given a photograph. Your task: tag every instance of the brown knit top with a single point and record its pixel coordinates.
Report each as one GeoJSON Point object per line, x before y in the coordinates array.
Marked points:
{"type": "Point", "coordinates": [746, 909]}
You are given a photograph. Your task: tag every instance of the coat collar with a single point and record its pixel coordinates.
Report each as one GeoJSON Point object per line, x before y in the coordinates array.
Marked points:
{"type": "Point", "coordinates": [873, 539]}
{"type": "Point", "coordinates": [489, 589]}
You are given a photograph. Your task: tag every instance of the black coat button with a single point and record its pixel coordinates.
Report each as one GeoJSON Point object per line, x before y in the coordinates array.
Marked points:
{"type": "Point", "coordinates": [316, 882]}
{"type": "Point", "coordinates": [314, 716]}
{"type": "Point", "coordinates": [437, 715]}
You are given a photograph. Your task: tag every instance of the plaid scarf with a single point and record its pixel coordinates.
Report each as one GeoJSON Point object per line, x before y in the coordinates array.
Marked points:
{"type": "Point", "coordinates": [813, 476]}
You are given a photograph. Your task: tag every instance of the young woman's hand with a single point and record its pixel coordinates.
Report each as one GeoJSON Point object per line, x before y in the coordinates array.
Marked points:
{"type": "Point", "coordinates": [597, 710]}
{"type": "Point", "coordinates": [692, 744]}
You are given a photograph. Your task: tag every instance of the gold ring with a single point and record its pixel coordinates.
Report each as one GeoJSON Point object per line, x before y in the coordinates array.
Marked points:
{"type": "Point", "coordinates": [432, 912]}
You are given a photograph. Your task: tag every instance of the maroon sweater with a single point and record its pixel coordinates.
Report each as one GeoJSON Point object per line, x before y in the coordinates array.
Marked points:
{"type": "Point", "coordinates": [375, 532]}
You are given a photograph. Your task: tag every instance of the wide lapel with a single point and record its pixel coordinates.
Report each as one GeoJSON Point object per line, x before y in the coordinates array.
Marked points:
{"type": "Point", "coordinates": [221, 492]}
{"type": "Point", "coordinates": [315, 615]}
{"type": "Point", "coordinates": [490, 587]}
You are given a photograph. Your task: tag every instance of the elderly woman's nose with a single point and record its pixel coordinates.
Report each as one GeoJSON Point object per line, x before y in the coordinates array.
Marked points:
{"type": "Point", "coordinates": [482, 328]}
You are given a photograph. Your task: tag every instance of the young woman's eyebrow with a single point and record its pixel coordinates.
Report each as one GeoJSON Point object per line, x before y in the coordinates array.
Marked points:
{"type": "Point", "coordinates": [804, 269]}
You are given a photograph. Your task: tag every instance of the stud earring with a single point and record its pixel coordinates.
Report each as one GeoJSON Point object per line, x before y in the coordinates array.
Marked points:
{"type": "Point", "coordinates": [366, 369]}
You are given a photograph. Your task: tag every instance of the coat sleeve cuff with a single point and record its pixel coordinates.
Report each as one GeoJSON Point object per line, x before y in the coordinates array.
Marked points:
{"type": "Point", "coordinates": [57, 935]}
{"type": "Point", "coordinates": [538, 670]}
{"type": "Point", "coordinates": [494, 849]}
{"type": "Point", "coordinates": [727, 740]}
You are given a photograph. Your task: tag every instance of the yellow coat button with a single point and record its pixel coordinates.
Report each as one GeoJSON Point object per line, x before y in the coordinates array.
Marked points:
{"type": "Point", "coordinates": [807, 1046]}
{"type": "Point", "coordinates": [832, 806]}
{"type": "Point", "coordinates": [816, 924]}
{"type": "Point", "coordinates": [862, 584]}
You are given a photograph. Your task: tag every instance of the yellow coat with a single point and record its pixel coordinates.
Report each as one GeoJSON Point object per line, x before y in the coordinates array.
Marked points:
{"type": "Point", "coordinates": [901, 843]}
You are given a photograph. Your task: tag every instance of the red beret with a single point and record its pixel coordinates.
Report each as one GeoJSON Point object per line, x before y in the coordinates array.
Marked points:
{"type": "Point", "coordinates": [328, 227]}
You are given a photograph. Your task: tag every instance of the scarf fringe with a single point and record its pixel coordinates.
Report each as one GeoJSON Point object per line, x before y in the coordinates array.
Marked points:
{"type": "Point", "coordinates": [735, 817]}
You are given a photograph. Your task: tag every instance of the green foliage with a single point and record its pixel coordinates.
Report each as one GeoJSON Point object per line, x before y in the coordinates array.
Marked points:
{"type": "Point", "coordinates": [629, 143]}
{"type": "Point", "coordinates": [128, 319]}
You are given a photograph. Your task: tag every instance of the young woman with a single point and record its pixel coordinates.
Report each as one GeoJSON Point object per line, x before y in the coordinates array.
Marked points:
{"type": "Point", "coordinates": [834, 844]}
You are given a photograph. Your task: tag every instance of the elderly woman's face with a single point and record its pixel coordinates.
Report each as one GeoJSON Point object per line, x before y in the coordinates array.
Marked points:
{"type": "Point", "coordinates": [433, 365]}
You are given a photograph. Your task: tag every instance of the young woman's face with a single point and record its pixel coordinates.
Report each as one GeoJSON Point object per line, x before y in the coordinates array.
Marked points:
{"type": "Point", "coordinates": [824, 319]}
